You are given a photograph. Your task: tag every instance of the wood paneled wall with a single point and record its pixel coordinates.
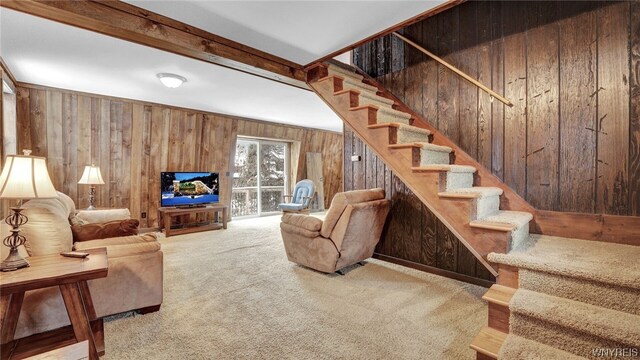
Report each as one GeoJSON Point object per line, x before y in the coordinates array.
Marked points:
{"type": "Point", "coordinates": [133, 142]}
{"type": "Point", "coordinates": [571, 142]}
{"type": "Point", "coordinates": [412, 235]}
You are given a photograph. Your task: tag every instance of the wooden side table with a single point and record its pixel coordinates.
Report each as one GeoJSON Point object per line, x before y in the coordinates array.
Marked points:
{"type": "Point", "coordinates": [77, 351]}
{"type": "Point", "coordinates": [71, 275]}
{"type": "Point", "coordinates": [165, 216]}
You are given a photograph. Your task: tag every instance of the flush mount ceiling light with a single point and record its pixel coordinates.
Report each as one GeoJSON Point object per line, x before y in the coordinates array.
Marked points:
{"type": "Point", "coordinates": [171, 80]}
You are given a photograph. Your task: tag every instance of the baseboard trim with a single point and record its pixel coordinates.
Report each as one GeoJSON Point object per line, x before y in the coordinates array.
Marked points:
{"type": "Point", "coordinates": [434, 270]}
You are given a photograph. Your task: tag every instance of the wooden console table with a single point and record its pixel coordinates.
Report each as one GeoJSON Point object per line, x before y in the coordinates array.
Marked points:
{"type": "Point", "coordinates": [165, 216]}
{"type": "Point", "coordinates": [71, 275]}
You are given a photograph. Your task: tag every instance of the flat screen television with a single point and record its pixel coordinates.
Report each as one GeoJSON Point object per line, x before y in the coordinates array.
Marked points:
{"type": "Point", "coordinates": [189, 188]}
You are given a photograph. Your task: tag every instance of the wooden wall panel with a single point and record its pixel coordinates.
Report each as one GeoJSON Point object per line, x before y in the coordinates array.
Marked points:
{"type": "Point", "coordinates": [613, 109]}
{"type": "Point", "coordinates": [570, 142]}
{"type": "Point", "coordinates": [496, 52]}
{"type": "Point", "coordinates": [448, 82]}
{"type": "Point", "coordinates": [412, 234]}
{"type": "Point", "coordinates": [578, 56]}
{"type": "Point", "coordinates": [515, 118]}
{"type": "Point", "coordinates": [484, 76]}
{"type": "Point", "coordinates": [132, 142]}
{"type": "Point", "coordinates": [468, 93]}
{"type": "Point", "coordinates": [542, 108]}
{"type": "Point", "coordinates": [429, 75]}
{"type": "Point", "coordinates": [83, 151]}
{"type": "Point", "coordinates": [634, 128]}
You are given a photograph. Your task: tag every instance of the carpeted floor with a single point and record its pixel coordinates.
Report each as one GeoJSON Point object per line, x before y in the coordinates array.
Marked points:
{"type": "Point", "coordinates": [232, 294]}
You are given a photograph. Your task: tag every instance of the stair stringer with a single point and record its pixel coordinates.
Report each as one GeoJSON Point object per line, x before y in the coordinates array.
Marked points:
{"type": "Point", "coordinates": [455, 214]}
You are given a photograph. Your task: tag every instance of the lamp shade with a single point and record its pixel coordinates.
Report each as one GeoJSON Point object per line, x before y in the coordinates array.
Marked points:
{"type": "Point", "coordinates": [26, 177]}
{"type": "Point", "coordinates": [91, 176]}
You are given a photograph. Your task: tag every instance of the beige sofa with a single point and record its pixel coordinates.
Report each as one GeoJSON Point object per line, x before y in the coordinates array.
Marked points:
{"type": "Point", "coordinates": [348, 234]}
{"type": "Point", "coordinates": [135, 267]}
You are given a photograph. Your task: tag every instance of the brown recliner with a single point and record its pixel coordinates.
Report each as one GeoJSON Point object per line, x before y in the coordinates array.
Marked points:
{"type": "Point", "coordinates": [348, 234]}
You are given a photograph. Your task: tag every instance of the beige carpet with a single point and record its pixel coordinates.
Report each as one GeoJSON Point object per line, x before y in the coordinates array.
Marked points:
{"type": "Point", "coordinates": [232, 294]}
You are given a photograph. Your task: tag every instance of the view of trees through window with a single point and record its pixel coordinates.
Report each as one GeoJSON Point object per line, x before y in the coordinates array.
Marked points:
{"type": "Point", "coordinates": [260, 169]}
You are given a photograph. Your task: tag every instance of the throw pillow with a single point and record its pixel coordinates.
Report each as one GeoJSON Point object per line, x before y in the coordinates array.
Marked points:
{"type": "Point", "coordinates": [105, 230]}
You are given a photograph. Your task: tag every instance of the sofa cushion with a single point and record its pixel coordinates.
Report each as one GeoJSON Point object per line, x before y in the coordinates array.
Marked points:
{"type": "Point", "coordinates": [105, 230]}
{"type": "Point", "coordinates": [340, 202]}
{"type": "Point", "coordinates": [123, 246]}
{"type": "Point", "coordinates": [47, 231]}
{"type": "Point", "coordinates": [103, 215]}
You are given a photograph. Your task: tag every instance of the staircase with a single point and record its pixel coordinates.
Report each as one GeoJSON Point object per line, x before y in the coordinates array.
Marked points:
{"type": "Point", "coordinates": [484, 214]}
{"type": "Point", "coordinates": [556, 298]}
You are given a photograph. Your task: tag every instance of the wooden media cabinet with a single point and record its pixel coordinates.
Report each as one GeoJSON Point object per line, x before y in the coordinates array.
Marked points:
{"type": "Point", "coordinates": [167, 214]}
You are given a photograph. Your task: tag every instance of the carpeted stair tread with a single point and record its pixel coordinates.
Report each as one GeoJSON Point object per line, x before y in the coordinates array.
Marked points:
{"type": "Point", "coordinates": [351, 80]}
{"type": "Point", "coordinates": [422, 145]}
{"type": "Point", "coordinates": [473, 192]}
{"type": "Point", "coordinates": [409, 134]}
{"type": "Point", "coordinates": [434, 147]}
{"type": "Point", "coordinates": [518, 348]}
{"type": "Point", "coordinates": [503, 220]}
{"type": "Point", "coordinates": [394, 112]}
{"type": "Point", "coordinates": [608, 263]}
{"type": "Point", "coordinates": [337, 70]}
{"type": "Point", "coordinates": [444, 167]}
{"type": "Point", "coordinates": [488, 342]}
{"type": "Point", "coordinates": [614, 297]}
{"type": "Point", "coordinates": [411, 128]}
{"type": "Point", "coordinates": [617, 326]}
{"type": "Point", "coordinates": [401, 126]}
{"type": "Point", "coordinates": [375, 97]}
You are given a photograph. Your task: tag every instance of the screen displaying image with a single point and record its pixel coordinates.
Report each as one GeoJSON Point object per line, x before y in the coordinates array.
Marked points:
{"type": "Point", "coordinates": [189, 188]}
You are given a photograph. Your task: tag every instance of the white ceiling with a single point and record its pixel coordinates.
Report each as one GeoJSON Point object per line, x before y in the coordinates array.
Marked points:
{"type": "Point", "coordinates": [299, 31]}
{"type": "Point", "coordinates": [48, 53]}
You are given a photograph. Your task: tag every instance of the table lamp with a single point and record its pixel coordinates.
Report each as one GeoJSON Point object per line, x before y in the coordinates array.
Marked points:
{"type": "Point", "coordinates": [91, 176]}
{"type": "Point", "coordinates": [23, 177]}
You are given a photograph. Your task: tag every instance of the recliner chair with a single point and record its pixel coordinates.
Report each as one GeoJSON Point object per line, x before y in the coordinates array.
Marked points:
{"type": "Point", "coordinates": [348, 234]}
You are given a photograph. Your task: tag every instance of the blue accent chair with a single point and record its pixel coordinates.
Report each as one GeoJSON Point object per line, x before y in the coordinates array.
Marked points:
{"type": "Point", "coordinates": [300, 201]}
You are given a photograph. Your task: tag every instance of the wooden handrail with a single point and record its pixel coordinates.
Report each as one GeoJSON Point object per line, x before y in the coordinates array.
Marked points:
{"type": "Point", "coordinates": [455, 70]}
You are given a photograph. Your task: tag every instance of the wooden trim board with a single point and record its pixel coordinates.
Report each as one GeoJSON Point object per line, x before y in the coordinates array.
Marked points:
{"type": "Point", "coordinates": [434, 270]}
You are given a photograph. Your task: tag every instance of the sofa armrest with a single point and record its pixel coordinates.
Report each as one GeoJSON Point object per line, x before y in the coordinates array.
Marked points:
{"type": "Point", "coordinates": [124, 245]}
{"type": "Point", "coordinates": [103, 215]}
{"type": "Point", "coordinates": [105, 230]}
{"type": "Point", "coordinates": [292, 229]}
{"type": "Point", "coordinates": [306, 222]}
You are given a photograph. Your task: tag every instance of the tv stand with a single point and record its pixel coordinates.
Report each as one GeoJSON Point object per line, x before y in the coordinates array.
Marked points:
{"type": "Point", "coordinates": [166, 215]}
{"type": "Point", "coordinates": [190, 206]}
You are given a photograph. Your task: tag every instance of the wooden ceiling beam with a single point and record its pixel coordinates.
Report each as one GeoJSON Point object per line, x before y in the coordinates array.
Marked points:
{"type": "Point", "coordinates": [134, 24]}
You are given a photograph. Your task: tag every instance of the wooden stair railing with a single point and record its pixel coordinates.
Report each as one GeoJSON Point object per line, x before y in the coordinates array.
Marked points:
{"type": "Point", "coordinates": [455, 70]}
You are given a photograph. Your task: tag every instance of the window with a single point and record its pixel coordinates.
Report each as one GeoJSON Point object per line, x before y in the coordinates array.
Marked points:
{"type": "Point", "coordinates": [260, 179]}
